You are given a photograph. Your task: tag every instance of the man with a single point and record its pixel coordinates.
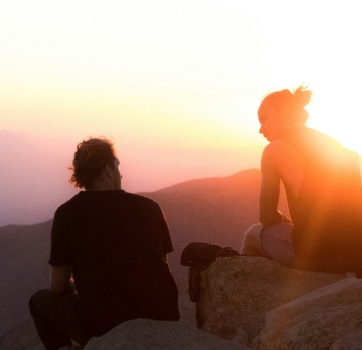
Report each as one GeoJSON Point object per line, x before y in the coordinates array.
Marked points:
{"type": "Point", "coordinates": [114, 245]}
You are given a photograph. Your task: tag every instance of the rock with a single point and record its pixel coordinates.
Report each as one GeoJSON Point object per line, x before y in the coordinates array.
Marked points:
{"type": "Point", "coordinates": [352, 341]}
{"type": "Point", "coordinates": [236, 293]}
{"type": "Point", "coordinates": [23, 336]}
{"type": "Point", "coordinates": [75, 347]}
{"type": "Point", "coordinates": [159, 335]}
{"type": "Point", "coordinates": [39, 346]}
{"type": "Point", "coordinates": [316, 320]}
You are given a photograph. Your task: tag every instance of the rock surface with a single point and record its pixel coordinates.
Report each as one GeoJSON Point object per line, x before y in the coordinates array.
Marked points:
{"type": "Point", "coordinates": [316, 320]}
{"type": "Point", "coordinates": [159, 335]}
{"type": "Point", "coordinates": [237, 292]}
{"type": "Point", "coordinates": [352, 341]}
{"type": "Point", "coordinates": [21, 337]}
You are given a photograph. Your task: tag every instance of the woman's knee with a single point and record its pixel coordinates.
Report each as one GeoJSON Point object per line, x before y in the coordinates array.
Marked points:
{"type": "Point", "coordinates": [254, 229]}
{"type": "Point", "coordinates": [251, 241]}
{"type": "Point", "coordinates": [253, 233]}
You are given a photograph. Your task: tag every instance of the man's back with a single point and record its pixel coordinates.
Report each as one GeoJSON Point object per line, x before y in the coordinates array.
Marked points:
{"type": "Point", "coordinates": [116, 243]}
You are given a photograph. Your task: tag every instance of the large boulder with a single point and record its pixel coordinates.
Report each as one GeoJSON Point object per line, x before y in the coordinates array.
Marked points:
{"type": "Point", "coordinates": [159, 335]}
{"type": "Point", "coordinates": [316, 320]}
{"type": "Point", "coordinates": [22, 336]}
{"type": "Point", "coordinates": [237, 292]}
{"type": "Point", "coordinates": [351, 341]}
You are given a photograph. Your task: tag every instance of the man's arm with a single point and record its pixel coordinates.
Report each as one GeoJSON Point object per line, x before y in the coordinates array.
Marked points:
{"type": "Point", "coordinates": [165, 234]}
{"type": "Point", "coordinates": [270, 189]}
{"type": "Point", "coordinates": [61, 281]}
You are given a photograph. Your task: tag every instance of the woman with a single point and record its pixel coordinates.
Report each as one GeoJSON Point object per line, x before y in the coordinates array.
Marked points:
{"type": "Point", "coordinates": [323, 186]}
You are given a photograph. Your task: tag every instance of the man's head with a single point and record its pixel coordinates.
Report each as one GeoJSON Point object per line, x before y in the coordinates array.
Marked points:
{"type": "Point", "coordinates": [95, 161]}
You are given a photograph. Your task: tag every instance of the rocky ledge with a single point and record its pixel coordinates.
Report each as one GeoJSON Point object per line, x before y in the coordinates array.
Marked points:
{"type": "Point", "coordinates": [159, 335]}
{"type": "Point", "coordinates": [255, 303]}
{"type": "Point", "coordinates": [265, 305]}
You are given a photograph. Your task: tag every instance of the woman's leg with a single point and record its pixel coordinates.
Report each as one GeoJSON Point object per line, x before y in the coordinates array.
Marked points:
{"type": "Point", "coordinates": [276, 243]}
{"type": "Point", "coordinates": [251, 244]}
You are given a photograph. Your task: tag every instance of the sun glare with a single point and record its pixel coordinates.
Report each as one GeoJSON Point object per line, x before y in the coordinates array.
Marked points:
{"type": "Point", "coordinates": [347, 136]}
{"type": "Point", "coordinates": [337, 118]}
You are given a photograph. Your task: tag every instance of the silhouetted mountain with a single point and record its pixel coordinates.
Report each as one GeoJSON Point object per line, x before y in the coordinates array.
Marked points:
{"type": "Point", "coordinates": [34, 171]}
{"type": "Point", "coordinates": [215, 210]}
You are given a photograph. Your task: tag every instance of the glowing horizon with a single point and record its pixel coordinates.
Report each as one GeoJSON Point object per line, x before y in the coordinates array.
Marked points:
{"type": "Point", "coordinates": [166, 75]}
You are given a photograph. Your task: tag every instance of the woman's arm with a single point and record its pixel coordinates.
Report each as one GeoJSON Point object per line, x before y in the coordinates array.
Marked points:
{"type": "Point", "coordinates": [280, 162]}
{"type": "Point", "coordinates": [270, 187]}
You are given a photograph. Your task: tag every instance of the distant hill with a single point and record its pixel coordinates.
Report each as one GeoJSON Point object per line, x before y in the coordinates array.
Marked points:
{"type": "Point", "coordinates": [34, 173]}
{"type": "Point", "coordinates": [23, 269]}
{"type": "Point", "coordinates": [215, 210]}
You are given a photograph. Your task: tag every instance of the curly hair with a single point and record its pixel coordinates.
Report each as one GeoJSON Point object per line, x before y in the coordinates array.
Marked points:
{"type": "Point", "coordinates": [89, 160]}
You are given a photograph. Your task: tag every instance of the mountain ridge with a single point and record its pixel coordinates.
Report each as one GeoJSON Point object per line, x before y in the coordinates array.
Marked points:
{"type": "Point", "coordinates": [205, 182]}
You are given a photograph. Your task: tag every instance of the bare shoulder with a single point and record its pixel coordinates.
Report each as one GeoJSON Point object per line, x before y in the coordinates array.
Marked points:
{"type": "Point", "coordinates": [281, 159]}
{"type": "Point", "coordinates": [280, 150]}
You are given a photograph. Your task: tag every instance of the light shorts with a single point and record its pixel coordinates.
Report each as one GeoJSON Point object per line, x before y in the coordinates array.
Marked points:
{"type": "Point", "coordinates": [276, 243]}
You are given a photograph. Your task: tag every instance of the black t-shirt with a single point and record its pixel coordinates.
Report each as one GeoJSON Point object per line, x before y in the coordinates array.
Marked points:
{"type": "Point", "coordinates": [115, 242]}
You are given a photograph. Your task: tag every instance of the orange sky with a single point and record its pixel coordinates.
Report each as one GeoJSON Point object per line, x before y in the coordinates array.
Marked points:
{"type": "Point", "coordinates": [177, 84]}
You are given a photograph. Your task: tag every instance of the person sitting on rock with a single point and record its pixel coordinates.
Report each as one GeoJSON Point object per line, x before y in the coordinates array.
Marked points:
{"type": "Point", "coordinates": [114, 245]}
{"type": "Point", "coordinates": [323, 187]}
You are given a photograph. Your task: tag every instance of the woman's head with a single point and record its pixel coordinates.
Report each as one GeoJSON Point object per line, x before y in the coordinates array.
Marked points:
{"type": "Point", "coordinates": [283, 109]}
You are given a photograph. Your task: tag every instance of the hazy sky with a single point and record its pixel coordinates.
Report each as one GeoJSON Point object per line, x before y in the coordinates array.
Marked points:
{"type": "Point", "coordinates": [170, 78]}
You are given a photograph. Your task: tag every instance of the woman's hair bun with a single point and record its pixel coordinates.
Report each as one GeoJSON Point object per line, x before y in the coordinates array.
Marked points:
{"type": "Point", "coordinates": [301, 96]}
{"type": "Point", "coordinates": [296, 99]}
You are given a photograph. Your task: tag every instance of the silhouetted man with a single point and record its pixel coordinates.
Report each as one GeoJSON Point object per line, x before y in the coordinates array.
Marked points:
{"type": "Point", "coordinates": [114, 245]}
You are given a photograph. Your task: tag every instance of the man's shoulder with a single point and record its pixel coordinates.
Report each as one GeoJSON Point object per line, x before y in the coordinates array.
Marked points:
{"type": "Point", "coordinates": [140, 199]}
{"type": "Point", "coordinates": [69, 204]}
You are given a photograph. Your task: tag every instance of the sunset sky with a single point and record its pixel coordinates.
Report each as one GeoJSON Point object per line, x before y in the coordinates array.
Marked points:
{"type": "Point", "coordinates": [176, 83]}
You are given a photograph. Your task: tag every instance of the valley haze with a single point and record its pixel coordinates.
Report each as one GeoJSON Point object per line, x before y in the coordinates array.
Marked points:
{"type": "Point", "coordinates": [34, 171]}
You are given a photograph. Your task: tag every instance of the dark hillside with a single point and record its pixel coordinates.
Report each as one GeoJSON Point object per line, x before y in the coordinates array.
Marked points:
{"type": "Point", "coordinates": [23, 269]}
{"type": "Point", "coordinates": [215, 210]}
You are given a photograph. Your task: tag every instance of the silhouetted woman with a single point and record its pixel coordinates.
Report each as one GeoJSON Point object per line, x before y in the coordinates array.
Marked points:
{"type": "Point", "coordinates": [323, 186]}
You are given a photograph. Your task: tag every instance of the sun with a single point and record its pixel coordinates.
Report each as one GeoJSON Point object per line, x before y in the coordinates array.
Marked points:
{"type": "Point", "coordinates": [349, 136]}
{"type": "Point", "coordinates": [338, 120]}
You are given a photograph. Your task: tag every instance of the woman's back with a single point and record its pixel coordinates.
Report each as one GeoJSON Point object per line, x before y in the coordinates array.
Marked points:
{"type": "Point", "coordinates": [323, 185]}
{"type": "Point", "coordinates": [326, 213]}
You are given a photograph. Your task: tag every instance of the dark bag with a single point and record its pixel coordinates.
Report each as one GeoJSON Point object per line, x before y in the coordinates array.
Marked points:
{"type": "Point", "coordinates": [199, 256]}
